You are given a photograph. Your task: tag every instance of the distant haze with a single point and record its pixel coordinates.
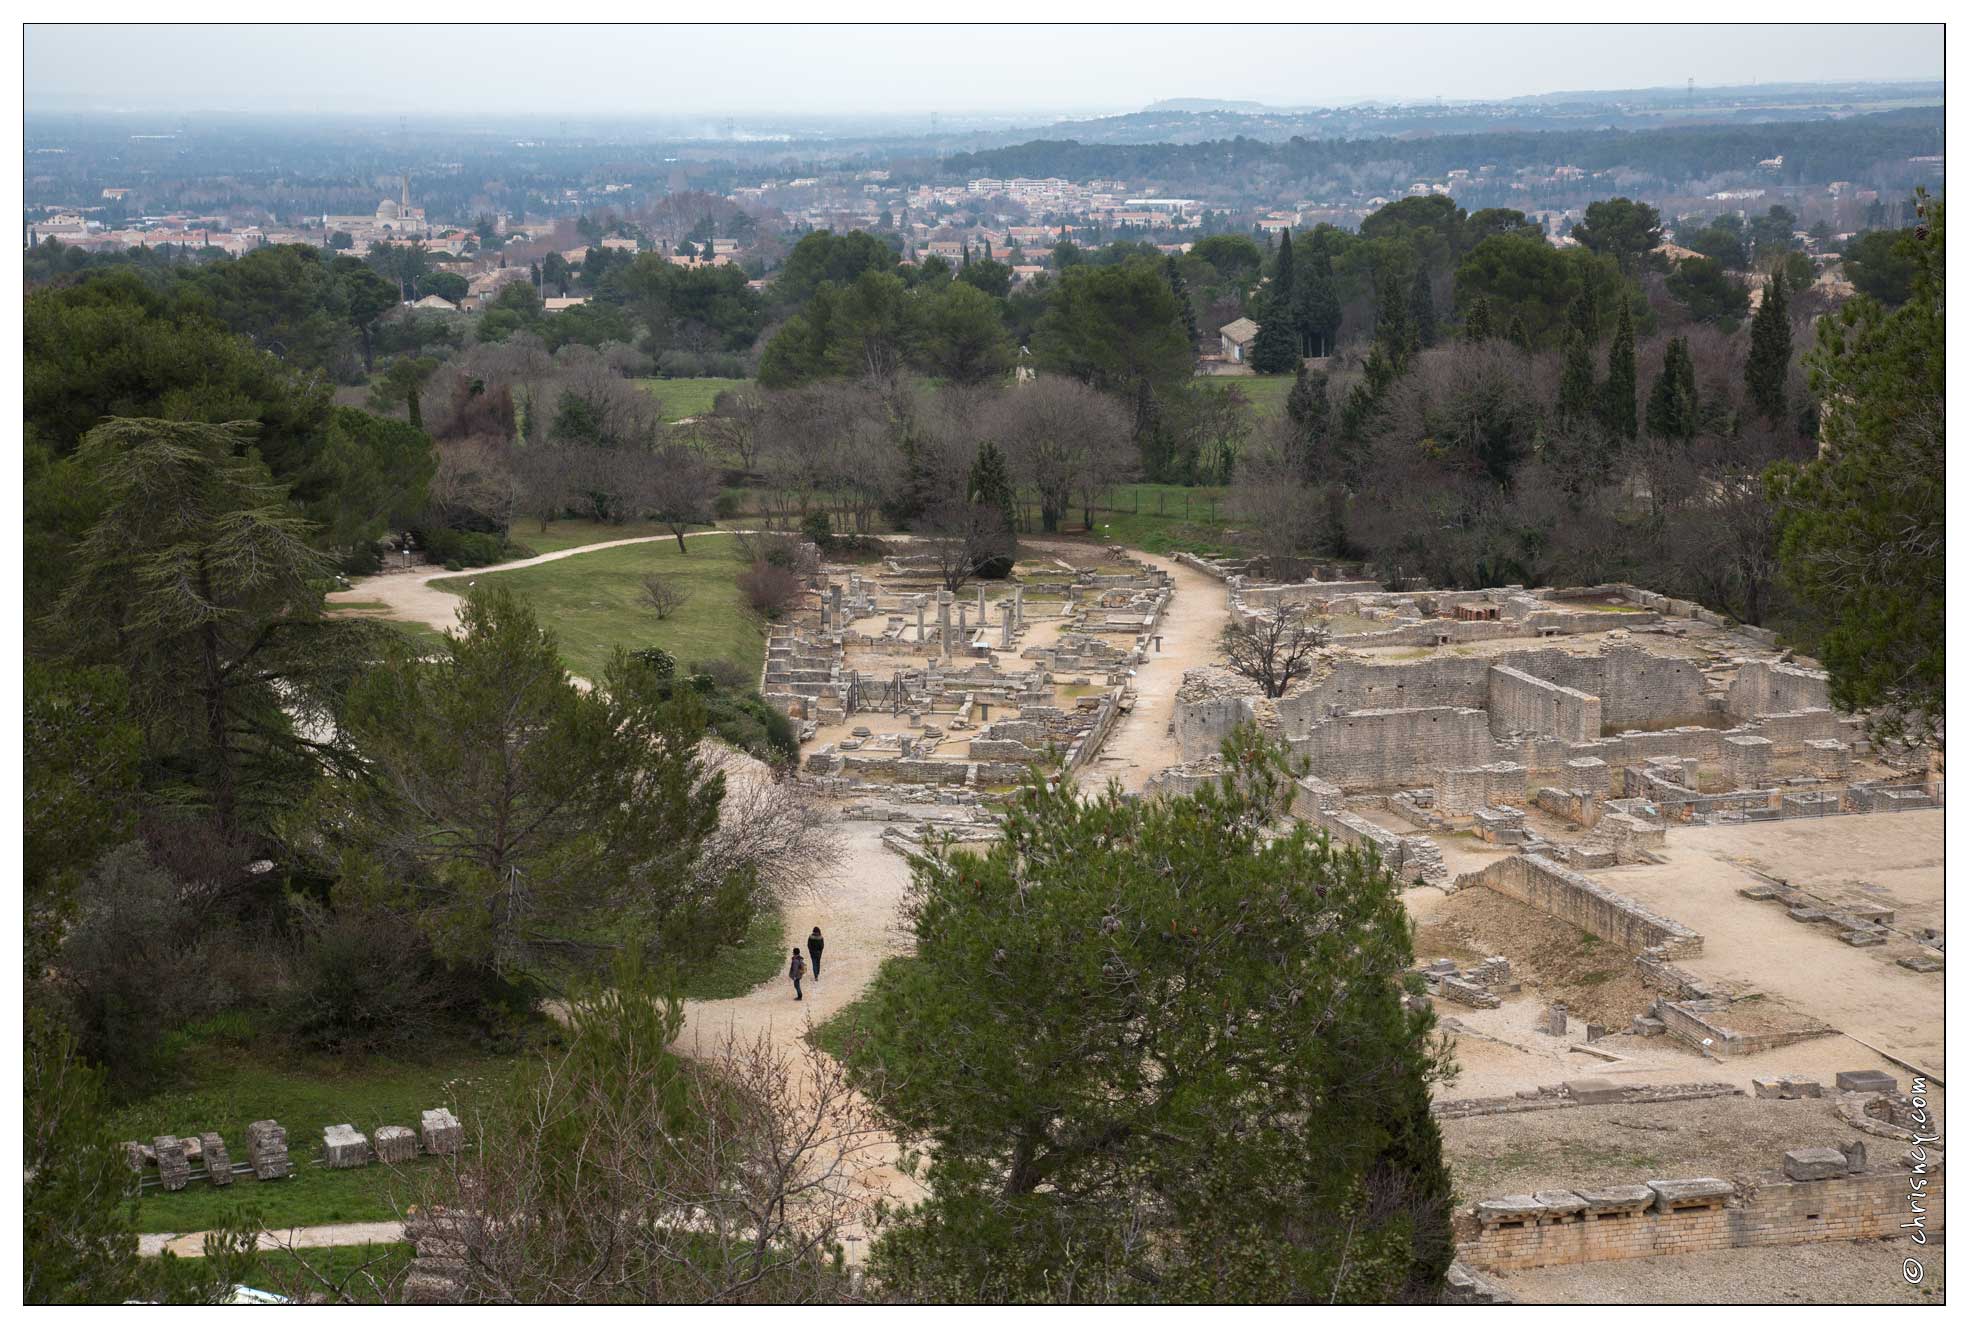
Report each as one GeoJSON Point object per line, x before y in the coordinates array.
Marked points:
{"type": "Point", "coordinates": [1031, 71]}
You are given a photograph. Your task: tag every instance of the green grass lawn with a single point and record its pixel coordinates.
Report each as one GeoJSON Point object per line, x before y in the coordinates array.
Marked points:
{"type": "Point", "coordinates": [590, 601]}
{"type": "Point", "coordinates": [223, 1085]}
{"type": "Point", "coordinates": [687, 397]}
{"type": "Point", "coordinates": [422, 633]}
{"type": "Point", "coordinates": [834, 1034]}
{"type": "Point", "coordinates": [1265, 392]}
{"type": "Point", "coordinates": [336, 1274]}
{"type": "Point", "coordinates": [736, 970]}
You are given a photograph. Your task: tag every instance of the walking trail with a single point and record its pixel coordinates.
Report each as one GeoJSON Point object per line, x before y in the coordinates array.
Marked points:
{"type": "Point", "coordinates": [1140, 745]}
{"type": "Point", "coordinates": [411, 597]}
{"type": "Point", "coordinates": [855, 904]}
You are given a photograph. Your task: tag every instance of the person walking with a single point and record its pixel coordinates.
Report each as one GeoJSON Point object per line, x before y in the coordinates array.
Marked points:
{"type": "Point", "coordinates": [815, 945]}
{"type": "Point", "coordinates": [796, 971]}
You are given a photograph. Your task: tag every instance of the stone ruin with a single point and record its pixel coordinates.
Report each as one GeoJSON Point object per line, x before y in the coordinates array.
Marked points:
{"type": "Point", "coordinates": [266, 1149]}
{"type": "Point", "coordinates": [899, 689]}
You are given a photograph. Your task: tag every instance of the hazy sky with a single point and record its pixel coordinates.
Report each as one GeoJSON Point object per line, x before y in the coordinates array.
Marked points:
{"type": "Point", "coordinates": [694, 69]}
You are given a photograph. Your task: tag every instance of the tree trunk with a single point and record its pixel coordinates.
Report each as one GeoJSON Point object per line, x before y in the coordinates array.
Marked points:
{"type": "Point", "coordinates": [225, 798]}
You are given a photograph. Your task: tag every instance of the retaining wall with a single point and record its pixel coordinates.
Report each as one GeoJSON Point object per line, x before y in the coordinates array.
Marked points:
{"type": "Point", "coordinates": [1586, 904]}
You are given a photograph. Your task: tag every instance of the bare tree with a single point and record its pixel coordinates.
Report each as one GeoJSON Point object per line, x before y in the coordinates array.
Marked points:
{"type": "Point", "coordinates": [1273, 650]}
{"type": "Point", "coordinates": [664, 595]}
{"type": "Point", "coordinates": [735, 425]}
{"type": "Point", "coordinates": [1062, 439]}
{"type": "Point", "coordinates": [679, 489]}
{"type": "Point", "coordinates": [963, 539]}
{"type": "Point", "coordinates": [474, 484]}
{"type": "Point", "coordinates": [622, 1174]}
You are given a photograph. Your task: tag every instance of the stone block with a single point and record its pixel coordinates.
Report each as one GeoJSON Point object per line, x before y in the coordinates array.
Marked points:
{"type": "Point", "coordinates": [1814, 1164]}
{"type": "Point", "coordinates": [1595, 1032]}
{"type": "Point", "coordinates": [1870, 1082]}
{"type": "Point", "coordinates": [1920, 964]}
{"type": "Point", "coordinates": [1553, 1021]}
{"type": "Point", "coordinates": [266, 1149]}
{"type": "Point", "coordinates": [395, 1144]}
{"type": "Point", "coordinates": [1508, 1209]}
{"type": "Point", "coordinates": [1855, 1152]}
{"type": "Point", "coordinates": [218, 1162]}
{"type": "Point", "coordinates": [1559, 1204]}
{"type": "Point", "coordinates": [1863, 937]}
{"type": "Point", "coordinates": [1648, 1027]}
{"type": "Point", "coordinates": [1595, 1091]}
{"type": "Point", "coordinates": [1617, 1199]}
{"type": "Point", "coordinates": [138, 1156]}
{"type": "Point", "coordinates": [344, 1146]}
{"type": "Point", "coordinates": [173, 1169]}
{"type": "Point", "coordinates": [442, 1133]}
{"type": "Point", "coordinates": [1690, 1192]}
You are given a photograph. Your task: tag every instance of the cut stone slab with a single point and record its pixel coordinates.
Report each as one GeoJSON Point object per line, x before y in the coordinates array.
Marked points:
{"type": "Point", "coordinates": [1618, 1199]}
{"type": "Point", "coordinates": [218, 1162]}
{"type": "Point", "coordinates": [1859, 937]}
{"type": "Point", "coordinates": [1870, 1082]}
{"type": "Point", "coordinates": [442, 1133]}
{"type": "Point", "coordinates": [1507, 1208]}
{"type": "Point", "coordinates": [395, 1144]}
{"type": "Point", "coordinates": [345, 1146]}
{"type": "Point", "coordinates": [1814, 1164]}
{"type": "Point", "coordinates": [1920, 964]}
{"type": "Point", "coordinates": [1595, 1091]}
{"type": "Point", "coordinates": [266, 1148]}
{"type": "Point", "coordinates": [1672, 1194]}
{"type": "Point", "coordinates": [1559, 1203]}
{"type": "Point", "coordinates": [172, 1168]}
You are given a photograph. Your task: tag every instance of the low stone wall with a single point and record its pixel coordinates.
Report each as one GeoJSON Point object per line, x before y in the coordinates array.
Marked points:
{"type": "Point", "coordinates": [1762, 688]}
{"type": "Point", "coordinates": [1637, 1221]}
{"type": "Point", "coordinates": [1409, 857]}
{"type": "Point", "coordinates": [1584, 903]}
{"type": "Point", "coordinates": [1520, 703]}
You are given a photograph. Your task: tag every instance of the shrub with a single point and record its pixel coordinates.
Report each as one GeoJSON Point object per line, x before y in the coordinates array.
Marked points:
{"type": "Point", "coordinates": [658, 660]}
{"type": "Point", "coordinates": [465, 549]}
{"type": "Point", "coordinates": [819, 529]}
{"type": "Point", "coordinates": [729, 676]}
{"type": "Point", "coordinates": [770, 588]}
{"type": "Point", "coordinates": [362, 983]}
{"type": "Point", "coordinates": [725, 506]}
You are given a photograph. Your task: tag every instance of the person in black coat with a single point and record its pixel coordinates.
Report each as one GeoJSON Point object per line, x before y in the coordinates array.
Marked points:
{"type": "Point", "coordinates": [815, 945]}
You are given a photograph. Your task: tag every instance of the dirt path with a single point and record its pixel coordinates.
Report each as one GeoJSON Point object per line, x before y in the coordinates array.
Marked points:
{"type": "Point", "coordinates": [411, 597]}
{"type": "Point", "coordinates": [855, 908]}
{"type": "Point", "coordinates": [1140, 745]}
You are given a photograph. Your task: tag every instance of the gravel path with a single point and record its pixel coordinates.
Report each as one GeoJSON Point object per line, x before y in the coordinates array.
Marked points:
{"type": "Point", "coordinates": [411, 597]}
{"type": "Point", "coordinates": [1140, 745]}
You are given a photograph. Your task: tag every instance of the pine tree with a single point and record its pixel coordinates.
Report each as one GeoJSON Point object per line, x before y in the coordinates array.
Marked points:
{"type": "Point", "coordinates": [1422, 308]}
{"type": "Point", "coordinates": [1576, 378]}
{"type": "Point", "coordinates": [1769, 365]}
{"type": "Point", "coordinates": [1476, 323]}
{"type": "Point", "coordinates": [1276, 348]}
{"type": "Point", "coordinates": [1617, 396]}
{"type": "Point", "coordinates": [1672, 400]}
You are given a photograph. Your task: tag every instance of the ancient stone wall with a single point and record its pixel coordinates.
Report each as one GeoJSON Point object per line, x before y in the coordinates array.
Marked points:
{"type": "Point", "coordinates": [1395, 748]}
{"type": "Point", "coordinates": [1202, 726]}
{"type": "Point", "coordinates": [1762, 688]}
{"type": "Point", "coordinates": [1702, 1214]}
{"type": "Point", "coordinates": [1584, 903]}
{"type": "Point", "coordinates": [1520, 703]}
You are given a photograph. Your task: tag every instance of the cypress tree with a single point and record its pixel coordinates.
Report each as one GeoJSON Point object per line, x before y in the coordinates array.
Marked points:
{"type": "Point", "coordinates": [1310, 410]}
{"type": "Point", "coordinates": [1672, 400]}
{"type": "Point", "coordinates": [1392, 329]}
{"type": "Point", "coordinates": [1617, 397]}
{"type": "Point", "coordinates": [1576, 378]}
{"type": "Point", "coordinates": [1422, 308]}
{"type": "Point", "coordinates": [416, 407]}
{"type": "Point", "coordinates": [990, 483]}
{"type": "Point", "coordinates": [1282, 275]}
{"type": "Point", "coordinates": [1181, 290]}
{"type": "Point", "coordinates": [1519, 335]}
{"type": "Point", "coordinates": [1476, 324]}
{"type": "Point", "coordinates": [1276, 348]}
{"type": "Point", "coordinates": [1316, 308]}
{"type": "Point", "coordinates": [1770, 353]}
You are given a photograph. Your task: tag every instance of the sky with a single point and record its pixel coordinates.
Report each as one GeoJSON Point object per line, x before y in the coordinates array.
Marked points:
{"type": "Point", "coordinates": [694, 69]}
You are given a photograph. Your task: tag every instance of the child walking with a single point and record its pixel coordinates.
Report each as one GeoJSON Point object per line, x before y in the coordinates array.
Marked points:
{"type": "Point", "coordinates": [796, 971]}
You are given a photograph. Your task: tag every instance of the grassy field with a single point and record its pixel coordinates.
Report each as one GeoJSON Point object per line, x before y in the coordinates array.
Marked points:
{"type": "Point", "coordinates": [1162, 519]}
{"type": "Point", "coordinates": [590, 601]}
{"type": "Point", "coordinates": [422, 633]}
{"type": "Point", "coordinates": [736, 970]}
{"type": "Point", "coordinates": [222, 1085]}
{"type": "Point", "coordinates": [687, 397]}
{"type": "Point", "coordinates": [1265, 392]}
{"type": "Point", "coordinates": [336, 1274]}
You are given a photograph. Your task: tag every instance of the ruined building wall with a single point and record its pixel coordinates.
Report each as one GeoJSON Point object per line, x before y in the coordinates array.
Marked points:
{"type": "Point", "coordinates": [1202, 726]}
{"type": "Point", "coordinates": [1769, 689]}
{"type": "Point", "coordinates": [1519, 703]}
{"type": "Point", "coordinates": [1395, 748]}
